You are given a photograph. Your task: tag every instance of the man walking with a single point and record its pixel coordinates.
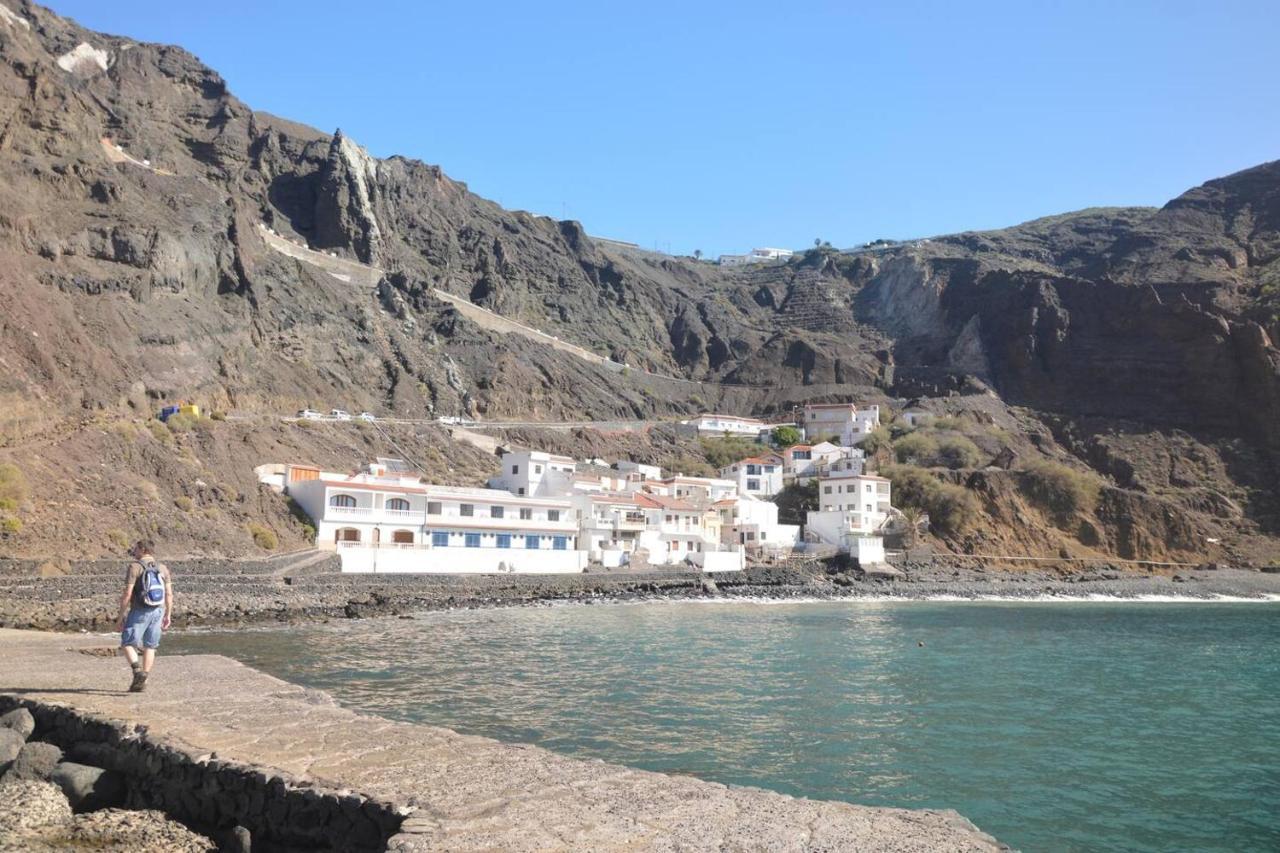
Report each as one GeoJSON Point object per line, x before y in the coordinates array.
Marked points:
{"type": "Point", "coordinates": [145, 610]}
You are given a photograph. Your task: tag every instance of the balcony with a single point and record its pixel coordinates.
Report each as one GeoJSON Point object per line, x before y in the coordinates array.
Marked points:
{"type": "Point", "coordinates": [631, 521]}
{"type": "Point", "coordinates": [404, 514]}
{"type": "Point", "coordinates": [362, 513]}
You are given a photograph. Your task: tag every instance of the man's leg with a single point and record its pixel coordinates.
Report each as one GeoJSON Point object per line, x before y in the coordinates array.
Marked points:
{"type": "Point", "coordinates": [131, 655]}
{"type": "Point", "coordinates": [148, 658]}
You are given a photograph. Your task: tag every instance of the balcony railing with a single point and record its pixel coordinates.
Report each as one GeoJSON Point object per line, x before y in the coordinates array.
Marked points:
{"type": "Point", "coordinates": [351, 511]}
{"type": "Point", "coordinates": [413, 514]}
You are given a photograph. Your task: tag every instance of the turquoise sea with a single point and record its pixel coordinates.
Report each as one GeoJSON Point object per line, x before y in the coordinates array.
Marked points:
{"type": "Point", "coordinates": [1053, 726]}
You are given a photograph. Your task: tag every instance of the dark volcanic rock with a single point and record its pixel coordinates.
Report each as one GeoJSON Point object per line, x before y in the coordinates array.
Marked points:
{"type": "Point", "coordinates": [89, 788]}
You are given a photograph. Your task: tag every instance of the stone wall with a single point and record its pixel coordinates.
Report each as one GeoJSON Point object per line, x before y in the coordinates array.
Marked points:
{"type": "Point", "coordinates": [215, 796]}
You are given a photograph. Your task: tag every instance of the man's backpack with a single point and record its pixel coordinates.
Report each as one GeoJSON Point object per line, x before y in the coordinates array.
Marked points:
{"type": "Point", "coordinates": [149, 588]}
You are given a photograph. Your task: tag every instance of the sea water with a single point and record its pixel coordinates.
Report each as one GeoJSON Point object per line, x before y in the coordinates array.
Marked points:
{"type": "Point", "coordinates": [1053, 726]}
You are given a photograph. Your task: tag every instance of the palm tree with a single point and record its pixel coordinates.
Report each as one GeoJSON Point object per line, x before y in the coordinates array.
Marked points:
{"type": "Point", "coordinates": [911, 517]}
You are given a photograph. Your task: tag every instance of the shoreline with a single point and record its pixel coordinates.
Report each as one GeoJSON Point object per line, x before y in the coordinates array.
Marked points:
{"type": "Point", "coordinates": [244, 594]}
{"type": "Point", "coordinates": [309, 773]}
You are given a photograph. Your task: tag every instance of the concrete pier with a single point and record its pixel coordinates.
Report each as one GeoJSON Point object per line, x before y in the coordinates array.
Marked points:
{"type": "Point", "coordinates": [419, 787]}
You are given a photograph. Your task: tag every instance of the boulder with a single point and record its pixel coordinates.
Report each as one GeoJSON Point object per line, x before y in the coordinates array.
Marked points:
{"type": "Point", "coordinates": [27, 804]}
{"type": "Point", "coordinates": [89, 788]}
{"type": "Point", "coordinates": [20, 720]}
{"type": "Point", "coordinates": [10, 745]}
{"type": "Point", "coordinates": [36, 761]}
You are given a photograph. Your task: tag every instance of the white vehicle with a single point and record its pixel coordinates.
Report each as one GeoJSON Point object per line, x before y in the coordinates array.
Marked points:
{"type": "Point", "coordinates": [449, 419]}
{"type": "Point", "coordinates": [339, 415]}
{"type": "Point", "coordinates": [366, 416]}
{"type": "Point", "coordinates": [309, 415]}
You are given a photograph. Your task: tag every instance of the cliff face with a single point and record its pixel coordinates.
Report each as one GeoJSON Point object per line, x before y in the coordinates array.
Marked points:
{"type": "Point", "coordinates": [136, 265]}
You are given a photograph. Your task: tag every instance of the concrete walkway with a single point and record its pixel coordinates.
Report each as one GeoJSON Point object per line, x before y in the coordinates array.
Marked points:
{"type": "Point", "coordinates": [470, 793]}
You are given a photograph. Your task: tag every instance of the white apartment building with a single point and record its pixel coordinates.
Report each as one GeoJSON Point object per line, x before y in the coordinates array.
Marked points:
{"type": "Point", "coordinates": [705, 489]}
{"type": "Point", "coordinates": [852, 510]}
{"type": "Point", "coordinates": [683, 531]}
{"type": "Point", "coordinates": [759, 476]}
{"type": "Point", "coordinates": [383, 520]}
{"type": "Point", "coordinates": [846, 421]}
{"type": "Point", "coordinates": [532, 473]}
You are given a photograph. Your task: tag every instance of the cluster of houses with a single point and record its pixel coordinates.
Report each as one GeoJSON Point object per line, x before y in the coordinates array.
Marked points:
{"type": "Point", "coordinates": [545, 513]}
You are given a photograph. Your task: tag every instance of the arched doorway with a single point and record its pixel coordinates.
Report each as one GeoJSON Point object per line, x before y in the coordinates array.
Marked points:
{"type": "Point", "coordinates": [346, 534]}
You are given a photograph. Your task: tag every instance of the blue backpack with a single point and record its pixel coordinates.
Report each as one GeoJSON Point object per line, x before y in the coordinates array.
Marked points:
{"type": "Point", "coordinates": [150, 585]}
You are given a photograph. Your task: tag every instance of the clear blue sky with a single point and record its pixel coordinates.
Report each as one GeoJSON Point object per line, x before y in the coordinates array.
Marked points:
{"type": "Point", "coordinates": [728, 125]}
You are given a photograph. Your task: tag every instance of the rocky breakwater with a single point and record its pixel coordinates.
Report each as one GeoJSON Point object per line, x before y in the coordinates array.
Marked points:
{"type": "Point", "coordinates": [49, 803]}
{"type": "Point", "coordinates": [232, 750]}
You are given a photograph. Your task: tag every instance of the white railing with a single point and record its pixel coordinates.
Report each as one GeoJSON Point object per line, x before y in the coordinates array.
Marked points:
{"type": "Point", "coordinates": [414, 514]}
{"type": "Point", "coordinates": [334, 509]}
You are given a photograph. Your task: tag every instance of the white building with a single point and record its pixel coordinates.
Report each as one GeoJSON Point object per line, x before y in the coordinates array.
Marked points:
{"type": "Point", "coordinates": [385, 520]}
{"type": "Point", "coordinates": [803, 462]}
{"type": "Point", "coordinates": [760, 476]}
{"type": "Point", "coordinates": [756, 256]}
{"type": "Point", "coordinates": [916, 417]}
{"type": "Point", "coordinates": [711, 424]}
{"type": "Point", "coordinates": [533, 473]}
{"type": "Point", "coordinates": [853, 509]}
{"type": "Point", "coordinates": [752, 524]}
{"type": "Point", "coordinates": [846, 422]}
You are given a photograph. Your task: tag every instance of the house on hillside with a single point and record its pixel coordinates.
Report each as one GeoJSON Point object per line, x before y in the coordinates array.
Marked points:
{"type": "Point", "coordinates": [534, 473]}
{"type": "Point", "coordinates": [803, 462]}
{"type": "Point", "coordinates": [844, 422]}
{"type": "Point", "coordinates": [760, 476]}
{"type": "Point", "coordinates": [752, 524]}
{"type": "Point", "coordinates": [712, 424]}
{"type": "Point", "coordinates": [755, 256]}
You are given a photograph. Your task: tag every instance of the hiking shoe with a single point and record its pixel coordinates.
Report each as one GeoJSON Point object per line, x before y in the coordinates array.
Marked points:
{"type": "Point", "coordinates": [139, 681]}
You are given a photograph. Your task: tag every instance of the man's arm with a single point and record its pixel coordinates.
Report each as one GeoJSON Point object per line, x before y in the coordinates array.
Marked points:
{"type": "Point", "coordinates": [168, 599]}
{"type": "Point", "coordinates": [125, 600]}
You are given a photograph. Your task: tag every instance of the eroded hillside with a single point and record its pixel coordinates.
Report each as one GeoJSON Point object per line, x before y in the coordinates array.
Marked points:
{"type": "Point", "coordinates": [159, 240]}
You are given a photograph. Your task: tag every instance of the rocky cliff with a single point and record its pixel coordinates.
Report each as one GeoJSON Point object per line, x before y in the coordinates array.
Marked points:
{"type": "Point", "coordinates": [159, 239]}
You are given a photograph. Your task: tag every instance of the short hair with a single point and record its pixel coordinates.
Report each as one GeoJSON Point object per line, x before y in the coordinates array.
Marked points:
{"type": "Point", "coordinates": [146, 546]}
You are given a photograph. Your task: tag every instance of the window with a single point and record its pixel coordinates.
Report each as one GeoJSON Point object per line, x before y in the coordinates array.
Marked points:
{"type": "Point", "coordinates": [398, 504]}
{"type": "Point", "coordinates": [467, 509]}
{"type": "Point", "coordinates": [504, 540]}
{"type": "Point", "coordinates": [345, 501]}
{"type": "Point", "coordinates": [868, 487]}
{"type": "Point", "coordinates": [753, 470]}
{"type": "Point", "coordinates": [520, 491]}
{"type": "Point", "coordinates": [515, 469]}
{"type": "Point", "coordinates": [439, 539]}
{"type": "Point", "coordinates": [560, 543]}
{"type": "Point", "coordinates": [526, 514]}
{"type": "Point", "coordinates": [826, 490]}
{"type": "Point", "coordinates": [753, 485]}
{"type": "Point", "coordinates": [402, 537]}
{"type": "Point", "coordinates": [531, 543]}
{"type": "Point", "coordinates": [537, 469]}
{"type": "Point", "coordinates": [473, 540]}
{"type": "Point", "coordinates": [868, 507]}
{"type": "Point", "coordinates": [553, 515]}
{"type": "Point", "coordinates": [433, 507]}
{"type": "Point", "coordinates": [496, 512]}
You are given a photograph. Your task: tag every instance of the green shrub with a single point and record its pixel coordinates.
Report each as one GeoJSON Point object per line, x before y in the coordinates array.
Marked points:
{"type": "Point", "coordinates": [952, 509]}
{"type": "Point", "coordinates": [876, 440]}
{"type": "Point", "coordinates": [1058, 489]}
{"type": "Point", "coordinates": [13, 483]}
{"type": "Point", "coordinates": [217, 415]}
{"type": "Point", "coordinates": [160, 432]}
{"type": "Point", "coordinates": [945, 422]}
{"type": "Point", "coordinates": [303, 423]}
{"type": "Point", "coordinates": [956, 451]}
{"type": "Point", "coordinates": [795, 501]}
{"type": "Point", "coordinates": [181, 423]}
{"type": "Point", "coordinates": [118, 538]}
{"type": "Point", "coordinates": [916, 449]}
{"type": "Point", "coordinates": [8, 505]}
{"type": "Point", "coordinates": [11, 526]}
{"type": "Point", "coordinates": [725, 451]}
{"type": "Point", "coordinates": [264, 537]}
{"type": "Point", "coordinates": [183, 503]}
{"type": "Point", "coordinates": [785, 436]}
